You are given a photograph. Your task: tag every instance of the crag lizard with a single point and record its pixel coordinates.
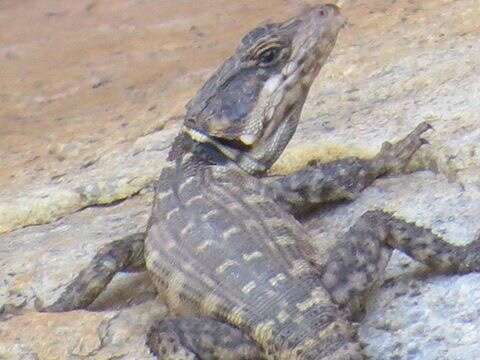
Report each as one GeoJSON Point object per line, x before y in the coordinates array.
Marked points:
{"type": "Point", "coordinates": [223, 245]}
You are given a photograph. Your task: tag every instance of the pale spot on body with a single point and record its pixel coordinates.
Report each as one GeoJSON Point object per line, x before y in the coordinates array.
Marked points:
{"type": "Point", "coordinates": [232, 206]}
{"type": "Point", "coordinates": [249, 287]}
{"type": "Point", "coordinates": [272, 84]}
{"type": "Point", "coordinates": [307, 304]}
{"type": "Point", "coordinates": [171, 213]}
{"type": "Point", "coordinates": [285, 241]}
{"type": "Point", "coordinates": [275, 280]}
{"type": "Point", "coordinates": [299, 267]}
{"type": "Point", "coordinates": [315, 180]}
{"type": "Point", "coordinates": [186, 229]}
{"type": "Point", "coordinates": [230, 232]}
{"type": "Point", "coordinates": [317, 296]}
{"type": "Point", "coordinates": [204, 245]}
{"type": "Point", "coordinates": [225, 266]}
{"type": "Point", "coordinates": [254, 199]}
{"type": "Point", "coordinates": [252, 256]}
{"type": "Point", "coordinates": [185, 183]}
{"type": "Point", "coordinates": [336, 326]}
{"type": "Point", "coordinates": [275, 222]}
{"type": "Point", "coordinates": [282, 316]}
{"type": "Point", "coordinates": [208, 215]}
{"type": "Point", "coordinates": [263, 332]}
{"type": "Point", "coordinates": [193, 199]}
{"type": "Point", "coordinates": [236, 316]}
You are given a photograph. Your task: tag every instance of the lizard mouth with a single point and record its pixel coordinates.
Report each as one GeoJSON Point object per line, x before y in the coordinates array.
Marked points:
{"type": "Point", "coordinates": [204, 137]}
{"type": "Point", "coordinates": [233, 149]}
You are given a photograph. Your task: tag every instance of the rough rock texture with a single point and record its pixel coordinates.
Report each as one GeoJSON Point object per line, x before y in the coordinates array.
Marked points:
{"type": "Point", "coordinates": [136, 165]}
{"type": "Point", "coordinates": [416, 315]}
{"type": "Point", "coordinates": [126, 69]}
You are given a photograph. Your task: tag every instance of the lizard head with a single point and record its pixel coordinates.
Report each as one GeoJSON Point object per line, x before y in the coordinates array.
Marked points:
{"type": "Point", "coordinates": [250, 107]}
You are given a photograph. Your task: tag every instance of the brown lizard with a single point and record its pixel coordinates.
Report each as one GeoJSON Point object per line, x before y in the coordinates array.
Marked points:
{"type": "Point", "coordinates": [223, 245]}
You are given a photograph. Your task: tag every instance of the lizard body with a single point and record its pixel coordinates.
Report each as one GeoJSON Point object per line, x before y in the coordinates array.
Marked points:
{"type": "Point", "coordinates": [223, 245]}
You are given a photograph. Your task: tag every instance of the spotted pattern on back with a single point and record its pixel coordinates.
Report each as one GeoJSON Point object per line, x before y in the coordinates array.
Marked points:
{"type": "Point", "coordinates": [235, 256]}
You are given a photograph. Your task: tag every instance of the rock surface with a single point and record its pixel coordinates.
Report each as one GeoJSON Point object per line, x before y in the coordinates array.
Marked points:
{"type": "Point", "coordinates": [398, 63]}
{"type": "Point", "coordinates": [415, 314]}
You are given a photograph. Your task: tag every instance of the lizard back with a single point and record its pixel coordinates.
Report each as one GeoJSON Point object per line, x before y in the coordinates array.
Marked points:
{"type": "Point", "coordinates": [218, 247]}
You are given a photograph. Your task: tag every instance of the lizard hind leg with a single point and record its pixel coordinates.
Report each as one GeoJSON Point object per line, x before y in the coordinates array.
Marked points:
{"type": "Point", "coordinates": [358, 261]}
{"type": "Point", "coordinates": [200, 338]}
{"type": "Point", "coordinates": [356, 264]}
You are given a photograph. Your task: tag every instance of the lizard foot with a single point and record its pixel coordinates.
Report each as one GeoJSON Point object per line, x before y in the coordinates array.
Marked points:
{"type": "Point", "coordinates": [393, 158]}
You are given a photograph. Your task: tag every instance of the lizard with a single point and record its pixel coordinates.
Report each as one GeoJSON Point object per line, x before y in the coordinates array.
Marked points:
{"type": "Point", "coordinates": [224, 245]}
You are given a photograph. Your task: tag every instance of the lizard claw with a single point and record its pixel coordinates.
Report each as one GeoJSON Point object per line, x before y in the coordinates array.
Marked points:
{"type": "Point", "coordinates": [393, 158]}
{"type": "Point", "coordinates": [420, 129]}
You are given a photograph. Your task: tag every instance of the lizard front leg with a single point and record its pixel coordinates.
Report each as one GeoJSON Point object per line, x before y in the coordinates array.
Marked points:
{"type": "Point", "coordinates": [355, 264]}
{"type": "Point", "coordinates": [342, 179]}
{"type": "Point", "coordinates": [126, 254]}
{"type": "Point", "coordinates": [200, 338]}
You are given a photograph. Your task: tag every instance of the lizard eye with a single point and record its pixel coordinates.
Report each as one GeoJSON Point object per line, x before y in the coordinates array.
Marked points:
{"type": "Point", "coordinates": [268, 56]}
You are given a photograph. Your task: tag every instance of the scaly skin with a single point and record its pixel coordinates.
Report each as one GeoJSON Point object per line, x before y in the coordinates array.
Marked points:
{"type": "Point", "coordinates": [222, 244]}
